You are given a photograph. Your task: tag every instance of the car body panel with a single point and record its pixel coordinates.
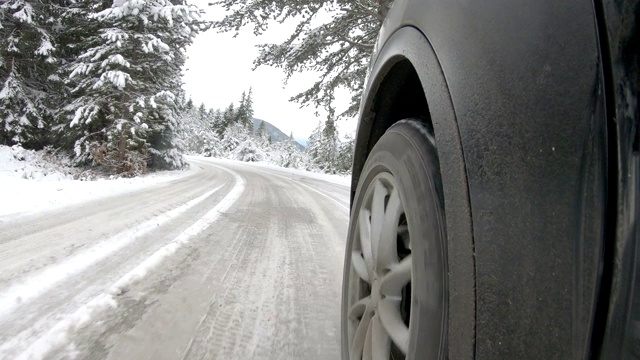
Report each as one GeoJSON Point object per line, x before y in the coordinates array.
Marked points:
{"type": "Point", "coordinates": [409, 44]}
{"type": "Point", "coordinates": [526, 132]}
{"type": "Point", "coordinates": [620, 34]}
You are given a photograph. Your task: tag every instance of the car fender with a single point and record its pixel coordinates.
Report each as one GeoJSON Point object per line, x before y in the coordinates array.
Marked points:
{"type": "Point", "coordinates": [408, 43]}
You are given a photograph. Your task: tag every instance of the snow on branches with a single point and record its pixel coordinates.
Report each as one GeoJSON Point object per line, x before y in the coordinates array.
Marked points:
{"type": "Point", "coordinates": [26, 63]}
{"type": "Point", "coordinates": [125, 79]}
{"type": "Point", "coordinates": [226, 134]}
{"type": "Point", "coordinates": [334, 38]}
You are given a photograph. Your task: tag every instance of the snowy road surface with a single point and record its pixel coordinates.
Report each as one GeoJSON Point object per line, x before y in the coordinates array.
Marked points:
{"type": "Point", "coordinates": [233, 261]}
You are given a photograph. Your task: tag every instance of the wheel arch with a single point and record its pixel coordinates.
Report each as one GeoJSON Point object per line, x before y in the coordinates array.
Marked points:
{"type": "Point", "coordinates": [406, 80]}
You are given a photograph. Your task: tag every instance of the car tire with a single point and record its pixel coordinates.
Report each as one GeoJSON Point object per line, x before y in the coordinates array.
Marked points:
{"type": "Point", "coordinates": [394, 298]}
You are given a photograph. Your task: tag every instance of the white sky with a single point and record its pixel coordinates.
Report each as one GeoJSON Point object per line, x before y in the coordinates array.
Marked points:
{"type": "Point", "coordinates": [218, 70]}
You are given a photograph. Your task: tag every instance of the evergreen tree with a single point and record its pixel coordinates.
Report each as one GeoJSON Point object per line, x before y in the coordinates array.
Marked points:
{"type": "Point", "coordinates": [217, 122]}
{"type": "Point", "coordinates": [197, 134]}
{"type": "Point", "coordinates": [239, 142]}
{"type": "Point", "coordinates": [211, 119]}
{"type": "Point", "coordinates": [262, 135]}
{"type": "Point", "coordinates": [261, 130]}
{"type": "Point", "coordinates": [228, 119]}
{"type": "Point", "coordinates": [239, 116]}
{"type": "Point", "coordinates": [126, 81]}
{"type": "Point", "coordinates": [27, 71]}
{"type": "Point", "coordinates": [289, 154]}
{"type": "Point", "coordinates": [188, 105]}
{"type": "Point", "coordinates": [345, 154]}
{"type": "Point", "coordinates": [314, 143]}
{"type": "Point", "coordinates": [244, 115]}
{"type": "Point", "coordinates": [248, 110]}
{"type": "Point", "coordinates": [202, 112]}
{"type": "Point", "coordinates": [323, 147]}
{"type": "Point", "coordinates": [340, 49]}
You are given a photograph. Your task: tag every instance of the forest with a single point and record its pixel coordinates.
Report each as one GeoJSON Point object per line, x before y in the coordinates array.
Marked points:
{"type": "Point", "coordinates": [100, 81]}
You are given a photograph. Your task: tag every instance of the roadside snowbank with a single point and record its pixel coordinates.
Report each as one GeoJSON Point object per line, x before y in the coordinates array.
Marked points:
{"type": "Point", "coordinates": [344, 180]}
{"type": "Point", "coordinates": [35, 181]}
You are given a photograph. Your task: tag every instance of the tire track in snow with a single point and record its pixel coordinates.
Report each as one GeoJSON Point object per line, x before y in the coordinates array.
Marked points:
{"type": "Point", "coordinates": [343, 206]}
{"type": "Point", "coordinates": [266, 292]}
{"type": "Point", "coordinates": [58, 334]}
{"type": "Point", "coordinates": [36, 285]}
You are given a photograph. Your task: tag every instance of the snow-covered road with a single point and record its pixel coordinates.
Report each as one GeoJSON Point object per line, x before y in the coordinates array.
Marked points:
{"type": "Point", "coordinates": [233, 261]}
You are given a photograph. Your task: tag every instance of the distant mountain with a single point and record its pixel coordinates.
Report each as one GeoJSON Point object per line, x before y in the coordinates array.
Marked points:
{"type": "Point", "coordinates": [276, 134]}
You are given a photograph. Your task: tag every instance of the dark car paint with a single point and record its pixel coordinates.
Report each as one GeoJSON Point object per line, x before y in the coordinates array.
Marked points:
{"type": "Point", "coordinates": [620, 306]}
{"type": "Point", "coordinates": [408, 44]}
{"type": "Point", "coordinates": [516, 94]}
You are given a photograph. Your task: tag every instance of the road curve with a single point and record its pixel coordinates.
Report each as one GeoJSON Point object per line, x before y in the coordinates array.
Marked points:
{"type": "Point", "coordinates": [233, 262]}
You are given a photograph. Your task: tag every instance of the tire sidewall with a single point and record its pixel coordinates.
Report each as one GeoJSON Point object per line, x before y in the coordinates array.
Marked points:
{"type": "Point", "coordinates": [408, 153]}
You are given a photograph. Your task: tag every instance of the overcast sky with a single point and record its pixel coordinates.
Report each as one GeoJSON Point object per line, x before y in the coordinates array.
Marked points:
{"type": "Point", "coordinates": [218, 70]}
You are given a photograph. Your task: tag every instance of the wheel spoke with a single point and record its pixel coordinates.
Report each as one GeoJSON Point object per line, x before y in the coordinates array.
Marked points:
{"type": "Point", "coordinates": [377, 217]}
{"type": "Point", "coordinates": [389, 310]}
{"type": "Point", "coordinates": [358, 309]}
{"type": "Point", "coordinates": [360, 336]}
{"type": "Point", "coordinates": [364, 226]}
{"type": "Point", "coordinates": [398, 276]}
{"type": "Point", "coordinates": [387, 248]}
{"type": "Point", "coordinates": [360, 266]}
{"type": "Point", "coordinates": [381, 257]}
{"type": "Point", "coordinates": [368, 348]}
{"type": "Point", "coordinates": [380, 341]}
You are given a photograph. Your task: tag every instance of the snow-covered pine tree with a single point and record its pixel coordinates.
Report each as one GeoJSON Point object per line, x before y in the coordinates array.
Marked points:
{"type": "Point", "coordinates": [339, 49]}
{"type": "Point", "coordinates": [125, 83]}
{"type": "Point", "coordinates": [228, 117]}
{"type": "Point", "coordinates": [289, 155]}
{"type": "Point", "coordinates": [323, 147]}
{"type": "Point", "coordinates": [248, 111]}
{"type": "Point", "coordinates": [244, 114]}
{"type": "Point", "coordinates": [217, 122]}
{"type": "Point", "coordinates": [239, 115]}
{"type": "Point", "coordinates": [329, 148]}
{"type": "Point", "coordinates": [314, 145]}
{"type": "Point", "coordinates": [196, 132]}
{"type": "Point", "coordinates": [261, 132]}
{"type": "Point", "coordinates": [345, 154]}
{"type": "Point", "coordinates": [202, 112]}
{"type": "Point", "coordinates": [211, 119]}
{"type": "Point", "coordinates": [239, 144]}
{"type": "Point", "coordinates": [188, 105]}
{"type": "Point", "coordinates": [27, 71]}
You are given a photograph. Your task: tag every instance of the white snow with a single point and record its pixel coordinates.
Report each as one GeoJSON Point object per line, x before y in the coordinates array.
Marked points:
{"type": "Point", "coordinates": [45, 47]}
{"type": "Point", "coordinates": [344, 180]}
{"type": "Point", "coordinates": [343, 206]}
{"type": "Point", "coordinates": [58, 334]}
{"type": "Point", "coordinates": [116, 59]}
{"type": "Point", "coordinates": [204, 222]}
{"type": "Point", "coordinates": [25, 14]}
{"type": "Point", "coordinates": [38, 284]}
{"type": "Point", "coordinates": [116, 77]}
{"type": "Point", "coordinates": [32, 183]}
{"type": "Point", "coordinates": [71, 323]}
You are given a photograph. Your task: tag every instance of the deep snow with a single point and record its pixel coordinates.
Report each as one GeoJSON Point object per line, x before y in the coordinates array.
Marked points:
{"type": "Point", "coordinates": [34, 181]}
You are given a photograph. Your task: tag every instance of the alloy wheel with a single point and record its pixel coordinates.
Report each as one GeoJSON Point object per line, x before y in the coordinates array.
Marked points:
{"type": "Point", "coordinates": [380, 274]}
